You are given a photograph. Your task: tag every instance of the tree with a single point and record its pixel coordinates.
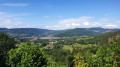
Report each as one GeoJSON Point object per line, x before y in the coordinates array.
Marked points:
{"type": "Point", "coordinates": [26, 56]}
{"type": "Point", "coordinates": [99, 57]}
{"type": "Point", "coordinates": [115, 46]}
{"type": "Point", "coordinates": [79, 61]}
{"type": "Point", "coordinates": [108, 57]}
{"type": "Point", "coordinates": [103, 57]}
{"type": "Point", "coordinates": [6, 43]}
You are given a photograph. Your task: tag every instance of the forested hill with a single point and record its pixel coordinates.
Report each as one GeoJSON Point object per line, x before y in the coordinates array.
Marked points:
{"type": "Point", "coordinates": [29, 32]}
{"type": "Point", "coordinates": [104, 38]}
{"type": "Point", "coordinates": [84, 32]}
{"type": "Point", "coordinates": [75, 32]}
{"type": "Point", "coordinates": [26, 32]}
{"type": "Point", "coordinates": [101, 30]}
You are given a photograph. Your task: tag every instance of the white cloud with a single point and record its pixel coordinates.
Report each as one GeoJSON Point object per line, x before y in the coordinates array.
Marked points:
{"type": "Point", "coordinates": [111, 26]}
{"type": "Point", "coordinates": [11, 20]}
{"type": "Point", "coordinates": [15, 4]}
{"type": "Point", "coordinates": [57, 27]}
{"type": "Point", "coordinates": [75, 20]}
{"type": "Point", "coordinates": [75, 24]}
{"type": "Point", "coordinates": [8, 23]}
{"type": "Point", "coordinates": [62, 27]}
{"type": "Point", "coordinates": [86, 23]}
{"type": "Point", "coordinates": [71, 23]}
{"type": "Point", "coordinates": [14, 21]}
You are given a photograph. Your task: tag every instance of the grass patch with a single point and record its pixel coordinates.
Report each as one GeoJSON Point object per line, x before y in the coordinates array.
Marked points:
{"type": "Point", "coordinates": [68, 47]}
{"type": "Point", "coordinates": [83, 38]}
{"type": "Point", "coordinates": [81, 46]}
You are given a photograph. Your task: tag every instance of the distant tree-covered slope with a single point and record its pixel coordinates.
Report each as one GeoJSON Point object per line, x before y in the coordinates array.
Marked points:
{"type": "Point", "coordinates": [84, 32]}
{"type": "Point", "coordinates": [104, 38]}
{"type": "Point", "coordinates": [75, 32]}
{"type": "Point", "coordinates": [101, 30]}
{"type": "Point", "coordinates": [26, 32]}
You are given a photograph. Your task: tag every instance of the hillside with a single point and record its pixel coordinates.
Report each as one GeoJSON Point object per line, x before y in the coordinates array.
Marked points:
{"type": "Point", "coordinates": [29, 32]}
{"type": "Point", "coordinates": [104, 38]}
{"type": "Point", "coordinates": [84, 32]}
{"type": "Point", "coordinates": [62, 51]}
{"type": "Point", "coordinates": [26, 32]}
{"type": "Point", "coordinates": [75, 32]}
{"type": "Point", "coordinates": [101, 30]}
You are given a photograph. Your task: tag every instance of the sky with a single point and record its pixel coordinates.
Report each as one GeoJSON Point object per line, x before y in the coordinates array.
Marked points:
{"type": "Point", "coordinates": [59, 14]}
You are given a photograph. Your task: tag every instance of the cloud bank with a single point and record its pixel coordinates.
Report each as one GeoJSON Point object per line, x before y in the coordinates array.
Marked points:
{"type": "Point", "coordinates": [84, 22]}
{"type": "Point", "coordinates": [11, 20]}
{"type": "Point", "coordinates": [16, 21]}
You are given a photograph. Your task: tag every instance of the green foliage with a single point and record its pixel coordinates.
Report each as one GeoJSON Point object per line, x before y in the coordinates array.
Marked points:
{"type": "Point", "coordinates": [79, 61]}
{"type": "Point", "coordinates": [6, 43]}
{"type": "Point", "coordinates": [42, 42]}
{"type": "Point", "coordinates": [57, 57]}
{"type": "Point", "coordinates": [103, 39]}
{"type": "Point", "coordinates": [26, 56]}
{"type": "Point", "coordinates": [85, 51]}
{"type": "Point", "coordinates": [100, 56]}
{"type": "Point", "coordinates": [58, 46]}
{"type": "Point", "coordinates": [116, 48]}
{"type": "Point", "coordinates": [68, 47]}
{"type": "Point", "coordinates": [104, 57]}
{"type": "Point", "coordinates": [99, 39]}
{"type": "Point", "coordinates": [69, 41]}
{"type": "Point", "coordinates": [107, 56]}
{"type": "Point", "coordinates": [70, 61]}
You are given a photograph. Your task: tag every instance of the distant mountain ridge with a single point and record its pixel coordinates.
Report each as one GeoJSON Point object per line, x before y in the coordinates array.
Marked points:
{"type": "Point", "coordinates": [75, 32]}
{"type": "Point", "coordinates": [84, 32]}
{"type": "Point", "coordinates": [101, 30]}
{"type": "Point", "coordinates": [28, 32]}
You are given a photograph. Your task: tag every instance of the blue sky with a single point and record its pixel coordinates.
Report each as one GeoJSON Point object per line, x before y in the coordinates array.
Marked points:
{"type": "Point", "coordinates": [59, 14]}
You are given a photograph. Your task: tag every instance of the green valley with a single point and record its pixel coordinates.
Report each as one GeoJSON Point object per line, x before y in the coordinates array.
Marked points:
{"type": "Point", "coordinates": [84, 51]}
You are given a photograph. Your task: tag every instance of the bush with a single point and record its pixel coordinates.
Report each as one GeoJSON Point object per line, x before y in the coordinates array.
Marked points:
{"type": "Point", "coordinates": [6, 43]}
{"type": "Point", "coordinates": [26, 56]}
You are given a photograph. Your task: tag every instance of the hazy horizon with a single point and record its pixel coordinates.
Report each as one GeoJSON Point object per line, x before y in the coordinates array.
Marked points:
{"type": "Point", "coordinates": [55, 29]}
